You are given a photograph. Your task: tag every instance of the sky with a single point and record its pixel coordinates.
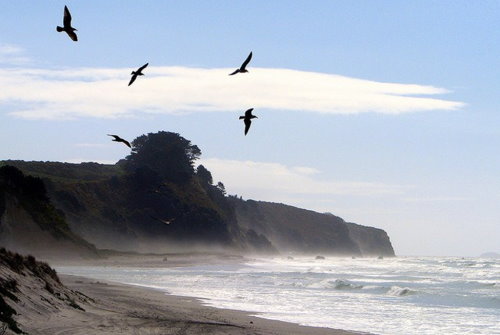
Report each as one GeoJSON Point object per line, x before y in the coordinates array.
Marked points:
{"type": "Point", "coordinates": [385, 113]}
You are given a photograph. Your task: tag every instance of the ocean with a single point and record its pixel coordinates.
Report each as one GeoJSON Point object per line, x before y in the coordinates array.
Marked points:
{"type": "Point", "coordinates": [402, 295]}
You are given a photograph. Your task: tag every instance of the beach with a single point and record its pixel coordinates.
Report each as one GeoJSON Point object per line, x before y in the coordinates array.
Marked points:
{"type": "Point", "coordinates": [124, 309]}
{"type": "Point", "coordinates": [229, 294]}
{"type": "Point", "coordinates": [410, 295]}
{"type": "Point", "coordinates": [83, 305]}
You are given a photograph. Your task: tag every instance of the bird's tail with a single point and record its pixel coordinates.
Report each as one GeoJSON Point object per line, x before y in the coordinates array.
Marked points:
{"type": "Point", "coordinates": [59, 29]}
{"type": "Point", "coordinates": [133, 72]}
{"type": "Point", "coordinates": [242, 117]}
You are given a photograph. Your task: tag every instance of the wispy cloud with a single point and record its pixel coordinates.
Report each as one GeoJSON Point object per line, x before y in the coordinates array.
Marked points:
{"type": "Point", "coordinates": [13, 55]}
{"type": "Point", "coordinates": [103, 93]}
{"type": "Point", "coordinates": [274, 181]}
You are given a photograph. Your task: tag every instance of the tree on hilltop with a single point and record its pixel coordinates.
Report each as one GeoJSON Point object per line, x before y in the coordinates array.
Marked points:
{"type": "Point", "coordinates": [204, 175]}
{"type": "Point", "coordinates": [166, 153]}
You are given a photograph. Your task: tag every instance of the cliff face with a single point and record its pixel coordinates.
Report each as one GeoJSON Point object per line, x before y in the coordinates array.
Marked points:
{"type": "Point", "coordinates": [371, 241]}
{"type": "Point", "coordinates": [293, 229]}
{"type": "Point", "coordinates": [154, 200]}
{"type": "Point", "coordinates": [131, 213]}
{"type": "Point", "coordinates": [29, 223]}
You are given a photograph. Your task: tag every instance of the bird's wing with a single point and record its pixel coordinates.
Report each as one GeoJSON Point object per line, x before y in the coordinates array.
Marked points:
{"type": "Point", "coordinates": [161, 220]}
{"type": "Point", "coordinates": [235, 72]}
{"type": "Point", "coordinates": [142, 67]}
{"type": "Point", "coordinates": [248, 122]}
{"type": "Point", "coordinates": [72, 35]}
{"type": "Point", "coordinates": [248, 113]}
{"type": "Point", "coordinates": [134, 76]}
{"type": "Point", "coordinates": [67, 17]}
{"type": "Point", "coordinates": [115, 136]}
{"type": "Point", "coordinates": [127, 143]}
{"type": "Point", "coordinates": [245, 63]}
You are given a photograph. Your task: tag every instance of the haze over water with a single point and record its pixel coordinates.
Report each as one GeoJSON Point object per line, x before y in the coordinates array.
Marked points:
{"type": "Point", "coordinates": [404, 295]}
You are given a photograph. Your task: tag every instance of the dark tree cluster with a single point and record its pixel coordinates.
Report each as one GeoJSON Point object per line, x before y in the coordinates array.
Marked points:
{"type": "Point", "coordinates": [168, 154]}
{"type": "Point", "coordinates": [13, 180]}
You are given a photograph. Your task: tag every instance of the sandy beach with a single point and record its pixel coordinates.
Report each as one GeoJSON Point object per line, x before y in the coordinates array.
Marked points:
{"type": "Point", "coordinates": [124, 309]}
{"type": "Point", "coordinates": [104, 307]}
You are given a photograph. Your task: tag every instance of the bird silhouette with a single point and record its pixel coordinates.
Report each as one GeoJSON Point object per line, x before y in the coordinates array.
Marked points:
{"type": "Point", "coordinates": [248, 119]}
{"type": "Point", "coordinates": [169, 221]}
{"type": "Point", "coordinates": [67, 25]}
{"type": "Point", "coordinates": [119, 139]}
{"type": "Point", "coordinates": [243, 69]}
{"type": "Point", "coordinates": [137, 73]}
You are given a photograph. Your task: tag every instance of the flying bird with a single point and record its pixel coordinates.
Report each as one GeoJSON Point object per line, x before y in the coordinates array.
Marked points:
{"type": "Point", "coordinates": [137, 73]}
{"type": "Point", "coordinates": [67, 25]}
{"type": "Point", "coordinates": [119, 139]}
{"type": "Point", "coordinates": [243, 69]}
{"type": "Point", "coordinates": [248, 119]}
{"type": "Point", "coordinates": [169, 221]}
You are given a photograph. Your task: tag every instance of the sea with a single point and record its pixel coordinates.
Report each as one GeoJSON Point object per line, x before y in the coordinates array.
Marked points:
{"type": "Point", "coordinates": [400, 295]}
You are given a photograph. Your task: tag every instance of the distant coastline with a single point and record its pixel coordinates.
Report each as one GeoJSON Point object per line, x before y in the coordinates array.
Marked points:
{"type": "Point", "coordinates": [159, 203]}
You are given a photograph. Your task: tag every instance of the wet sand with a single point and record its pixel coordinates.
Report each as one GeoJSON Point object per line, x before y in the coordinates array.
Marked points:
{"type": "Point", "coordinates": [124, 309]}
{"type": "Point", "coordinates": [113, 308]}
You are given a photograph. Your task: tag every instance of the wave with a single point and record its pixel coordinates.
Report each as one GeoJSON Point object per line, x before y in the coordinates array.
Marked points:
{"type": "Point", "coordinates": [340, 284]}
{"type": "Point", "coordinates": [337, 284]}
{"type": "Point", "coordinates": [400, 291]}
{"type": "Point", "coordinates": [485, 284]}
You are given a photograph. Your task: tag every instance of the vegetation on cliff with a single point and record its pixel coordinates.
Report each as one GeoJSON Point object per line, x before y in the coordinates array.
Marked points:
{"type": "Point", "coordinates": [155, 199]}
{"type": "Point", "coordinates": [29, 194]}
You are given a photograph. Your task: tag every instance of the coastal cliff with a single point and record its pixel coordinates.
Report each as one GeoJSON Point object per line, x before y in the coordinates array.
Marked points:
{"type": "Point", "coordinates": [155, 200]}
{"type": "Point", "coordinates": [29, 223]}
{"type": "Point", "coordinates": [297, 230]}
{"type": "Point", "coordinates": [370, 240]}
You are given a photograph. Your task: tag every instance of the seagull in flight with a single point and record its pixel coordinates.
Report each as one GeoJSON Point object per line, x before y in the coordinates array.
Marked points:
{"type": "Point", "coordinates": [243, 69]}
{"type": "Point", "coordinates": [248, 119]}
{"type": "Point", "coordinates": [119, 139]}
{"type": "Point", "coordinates": [137, 73]}
{"type": "Point", "coordinates": [67, 25]}
{"type": "Point", "coordinates": [169, 221]}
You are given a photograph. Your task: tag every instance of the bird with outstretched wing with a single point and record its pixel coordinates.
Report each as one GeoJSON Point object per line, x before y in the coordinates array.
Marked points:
{"type": "Point", "coordinates": [243, 66]}
{"type": "Point", "coordinates": [247, 119]}
{"type": "Point", "coordinates": [119, 139]}
{"type": "Point", "coordinates": [67, 25]}
{"type": "Point", "coordinates": [137, 73]}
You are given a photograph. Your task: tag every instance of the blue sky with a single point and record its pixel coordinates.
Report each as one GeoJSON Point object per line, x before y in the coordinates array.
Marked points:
{"type": "Point", "coordinates": [382, 112]}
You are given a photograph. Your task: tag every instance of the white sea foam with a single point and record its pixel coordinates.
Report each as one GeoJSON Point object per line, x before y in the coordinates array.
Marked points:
{"type": "Point", "coordinates": [400, 291]}
{"type": "Point", "coordinates": [406, 295]}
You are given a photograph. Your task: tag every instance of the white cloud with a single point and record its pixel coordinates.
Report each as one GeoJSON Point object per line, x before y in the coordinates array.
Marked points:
{"type": "Point", "coordinates": [13, 55]}
{"type": "Point", "coordinates": [277, 182]}
{"type": "Point", "coordinates": [103, 93]}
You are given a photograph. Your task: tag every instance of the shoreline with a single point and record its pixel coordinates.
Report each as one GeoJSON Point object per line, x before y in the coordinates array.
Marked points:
{"type": "Point", "coordinates": [115, 308]}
